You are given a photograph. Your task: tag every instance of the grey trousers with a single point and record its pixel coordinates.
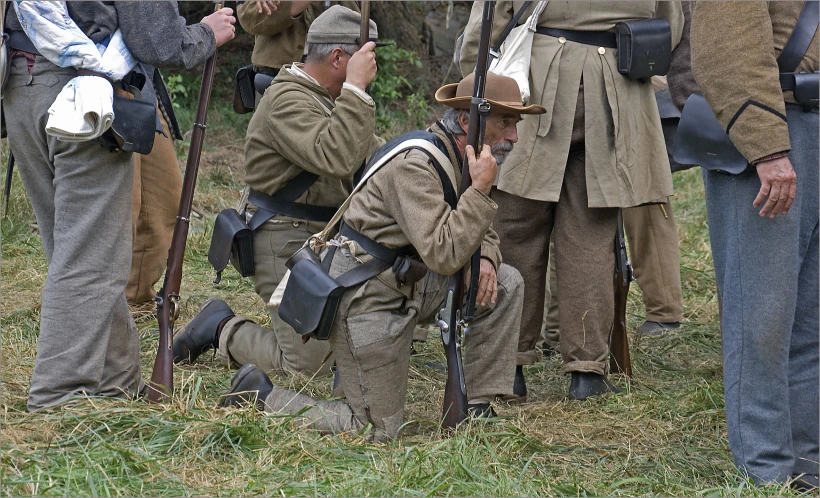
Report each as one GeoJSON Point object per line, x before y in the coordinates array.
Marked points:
{"type": "Point", "coordinates": [281, 349]}
{"type": "Point", "coordinates": [81, 195]}
{"type": "Point", "coordinates": [371, 340]}
{"type": "Point", "coordinates": [767, 275]}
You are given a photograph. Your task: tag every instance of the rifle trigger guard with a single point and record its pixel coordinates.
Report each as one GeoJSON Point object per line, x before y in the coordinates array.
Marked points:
{"type": "Point", "coordinates": [173, 300]}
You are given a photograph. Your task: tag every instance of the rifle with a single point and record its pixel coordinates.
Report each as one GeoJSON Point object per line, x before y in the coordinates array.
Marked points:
{"type": "Point", "coordinates": [452, 325]}
{"type": "Point", "coordinates": [619, 359]}
{"type": "Point", "coordinates": [364, 27]}
{"type": "Point", "coordinates": [7, 186]}
{"type": "Point", "coordinates": [161, 386]}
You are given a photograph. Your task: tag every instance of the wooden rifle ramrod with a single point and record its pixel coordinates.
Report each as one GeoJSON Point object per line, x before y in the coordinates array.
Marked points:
{"type": "Point", "coordinates": [453, 325]}
{"type": "Point", "coordinates": [161, 386]}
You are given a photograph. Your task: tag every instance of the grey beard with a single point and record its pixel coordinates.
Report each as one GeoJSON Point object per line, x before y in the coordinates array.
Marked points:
{"type": "Point", "coordinates": [501, 151]}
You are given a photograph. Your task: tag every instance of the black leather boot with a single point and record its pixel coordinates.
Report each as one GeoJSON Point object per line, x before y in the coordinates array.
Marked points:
{"type": "Point", "coordinates": [201, 333]}
{"type": "Point", "coordinates": [250, 384]}
{"type": "Point", "coordinates": [520, 384]}
{"type": "Point", "coordinates": [586, 384]}
{"type": "Point", "coordinates": [481, 410]}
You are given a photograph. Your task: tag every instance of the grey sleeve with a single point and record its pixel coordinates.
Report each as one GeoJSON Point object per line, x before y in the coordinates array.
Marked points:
{"type": "Point", "coordinates": [156, 34]}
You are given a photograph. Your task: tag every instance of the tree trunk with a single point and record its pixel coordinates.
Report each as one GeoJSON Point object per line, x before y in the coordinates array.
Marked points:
{"type": "Point", "coordinates": [402, 22]}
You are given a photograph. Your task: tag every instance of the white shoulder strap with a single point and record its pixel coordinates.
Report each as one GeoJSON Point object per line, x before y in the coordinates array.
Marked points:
{"type": "Point", "coordinates": [439, 156]}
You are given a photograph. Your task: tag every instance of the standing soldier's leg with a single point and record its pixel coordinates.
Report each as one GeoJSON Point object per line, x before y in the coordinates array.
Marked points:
{"type": "Point", "coordinates": [88, 341]}
{"type": "Point", "coordinates": [550, 334]}
{"type": "Point", "coordinates": [652, 236]}
{"type": "Point", "coordinates": [155, 198]}
{"type": "Point", "coordinates": [585, 263]}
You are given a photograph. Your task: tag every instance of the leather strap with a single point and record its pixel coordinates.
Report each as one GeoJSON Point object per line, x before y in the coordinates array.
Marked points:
{"type": "Point", "coordinates": [283, 202]}
{"type": "Point", "coordinates": [373, 248]}
{"type": "Point", "coordinates": [596, 38]}
{"type": "Point", "coordinates": [513, 23]}
{"type": "Point", "coordinates": [800, 39]}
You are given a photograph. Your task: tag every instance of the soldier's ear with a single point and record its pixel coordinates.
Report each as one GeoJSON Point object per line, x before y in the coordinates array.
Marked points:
{"type": "Point", "coordinates": [464, 120]}
{"type": "Point", "coordinates": [336, 56]}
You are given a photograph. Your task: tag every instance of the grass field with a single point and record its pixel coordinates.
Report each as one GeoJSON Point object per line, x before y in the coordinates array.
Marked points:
{"type": "Point", "coordinates": [665, 435]}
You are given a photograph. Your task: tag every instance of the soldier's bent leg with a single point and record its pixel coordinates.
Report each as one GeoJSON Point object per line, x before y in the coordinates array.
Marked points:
{"type": "Point", "coordinates": [524, 227]}
{"type": "Point", "coordinates": [155, 198]}
{"type": "Point", "coordinates": [585, 263]}
{"type": "Point", "coordinates": [652, 237]}
{"type": "Point", "coordinates": [371, 341]}
{"type": "Point", "coordinates": [243, 341]}
{"type": "Point", "coordinates": [490, 348]}
{"type": "Point", "coordinates": [327, 416]}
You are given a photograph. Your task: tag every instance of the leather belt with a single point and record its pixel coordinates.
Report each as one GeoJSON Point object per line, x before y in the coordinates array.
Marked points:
{"type": "Point", "coordinates": [19, 41]}
{"type": "Point", "coordinates": [596, 38]}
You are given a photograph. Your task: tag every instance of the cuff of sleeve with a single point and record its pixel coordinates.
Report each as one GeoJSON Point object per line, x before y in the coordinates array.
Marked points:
{"type": "Point", "coordinates": [485, 197]}
{"type": "Point", "coordinates": [359, 93]}
{"type": "Point", "coordinates": [770, 157]}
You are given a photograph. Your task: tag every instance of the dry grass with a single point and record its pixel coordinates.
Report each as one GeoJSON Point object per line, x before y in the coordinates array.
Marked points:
{"type": "Point", "coordinates": [665, 436]}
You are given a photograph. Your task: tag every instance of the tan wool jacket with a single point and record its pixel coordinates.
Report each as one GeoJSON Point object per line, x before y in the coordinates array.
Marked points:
{"type": "Point", "coordinates": [735, 46]}
{"type": "Point", "coordinates": [626, 161]}
{"type": "Point", "coordinates": [403, 204]}
{"type": "Point", "coordinates": [279, 38]}
{"type": "Point", "coordinates": [299, 127]}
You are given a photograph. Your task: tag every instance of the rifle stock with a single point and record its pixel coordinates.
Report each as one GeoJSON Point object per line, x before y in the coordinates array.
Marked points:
{"type": "Point", "coordinates": [453, 325]}
{"type": "Point", "coordinates": [619, 359]}
{"type": "Point", "coordinates": [161, 386]}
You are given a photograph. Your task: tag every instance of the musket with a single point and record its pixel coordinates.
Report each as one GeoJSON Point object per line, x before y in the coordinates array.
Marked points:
{"type": "Point", "coordinates": [453, 324]}
{"type": "Point", "coordinates": [7, 186]}
{"type": "Point", "coordinates": [161, 386]}
{"type": "Point", "coordinates": [619, 358]}
{"type": "Point", "coordinates": [364, 27]}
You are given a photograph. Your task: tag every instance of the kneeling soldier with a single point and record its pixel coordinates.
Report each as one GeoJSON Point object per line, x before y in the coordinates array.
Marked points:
{"type": "Point", "coordinates": [402, 207]}
{"type": "Point", "coordinates": [312, 131]}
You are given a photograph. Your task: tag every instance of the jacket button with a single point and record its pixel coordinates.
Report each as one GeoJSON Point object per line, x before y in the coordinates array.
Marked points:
{"type": "Point", "coordinates": [562, 40]}
{"type": "Point", "coordinates": [601, 50]}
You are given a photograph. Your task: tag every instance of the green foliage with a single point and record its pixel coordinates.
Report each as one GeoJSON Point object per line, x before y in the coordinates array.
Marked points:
{"type": "Point", "coordinates": [180, 88]}
{"type": "Point", "coordinates": [398, 90]}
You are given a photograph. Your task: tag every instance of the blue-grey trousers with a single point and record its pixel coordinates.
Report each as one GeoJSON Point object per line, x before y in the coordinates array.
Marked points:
{"type": "Point", "coordinates": [767, 277]}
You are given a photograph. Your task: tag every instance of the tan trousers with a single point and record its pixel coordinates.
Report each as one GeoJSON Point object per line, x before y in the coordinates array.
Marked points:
{"type": "Point", "coordinates": [371, 340]}
{"type": "Point", "coordinates": [583, 239]}
{"type": "Point", "coordinates": [154, 206]}
{"type": "Point", "coordinates": [652, 237]}
{"type": "Point", "coordinates": [244, 341]}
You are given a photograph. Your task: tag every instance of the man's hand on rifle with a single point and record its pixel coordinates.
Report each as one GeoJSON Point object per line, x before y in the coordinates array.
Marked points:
{"type": "Point", "coordinates": [361, 68]}
{"type": "Point", "coordinates": [221, 23]}
{"type": "Point", "coordinates": [482, 169]}
{"type": "Point", "coordinates": [487, 284]}
{"type": "Point", "coordinates": [267, 6]}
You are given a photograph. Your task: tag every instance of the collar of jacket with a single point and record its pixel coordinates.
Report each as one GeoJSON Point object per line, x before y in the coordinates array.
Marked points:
{"type": "Point", "coordinates": [285, 76]}
{"type": "Point", "coordinates": [449, 142]}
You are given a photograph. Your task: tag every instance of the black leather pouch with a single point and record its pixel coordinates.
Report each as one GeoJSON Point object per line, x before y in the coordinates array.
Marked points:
{"type": "Point", "coordinates": [261, 82]}
{"type": "Point", "coordinates": [134, 124]}
{"type": "Point", "coordinates": [408, 271]}
{"type": "Point", "coordinates": [807, 89]}
{"type": "Point", "coordinates": [311, 298]}
{"type": "Point", "coordinates": [644, 48]}
{"type": "Point", "coordinates": [232, 241]}
{"type": "Point", "coordinates": [244, 98]}
{"type": "Point", "coordinates": [701, 140]}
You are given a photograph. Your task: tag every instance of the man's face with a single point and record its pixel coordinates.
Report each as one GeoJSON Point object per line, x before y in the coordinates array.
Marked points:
{"type": "Point", "coordinates": [500, 134]}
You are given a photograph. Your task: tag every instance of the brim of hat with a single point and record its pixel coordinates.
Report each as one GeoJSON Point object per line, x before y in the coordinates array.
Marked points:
{"type": "Point", "coordinates": [446, 95]}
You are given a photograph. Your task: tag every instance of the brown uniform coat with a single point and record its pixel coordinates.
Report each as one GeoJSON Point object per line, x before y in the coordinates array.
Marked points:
{"type": "Point", "coordinates": [403, 204]}
{"type": "Point", "coordinates": [744, 39]}
{"type": "Point", "coordinates": [626, 162]}
{"type": "Point", "coordinates": [291, 131]}
{"type": "Point", "coordinates": [280, 38]}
